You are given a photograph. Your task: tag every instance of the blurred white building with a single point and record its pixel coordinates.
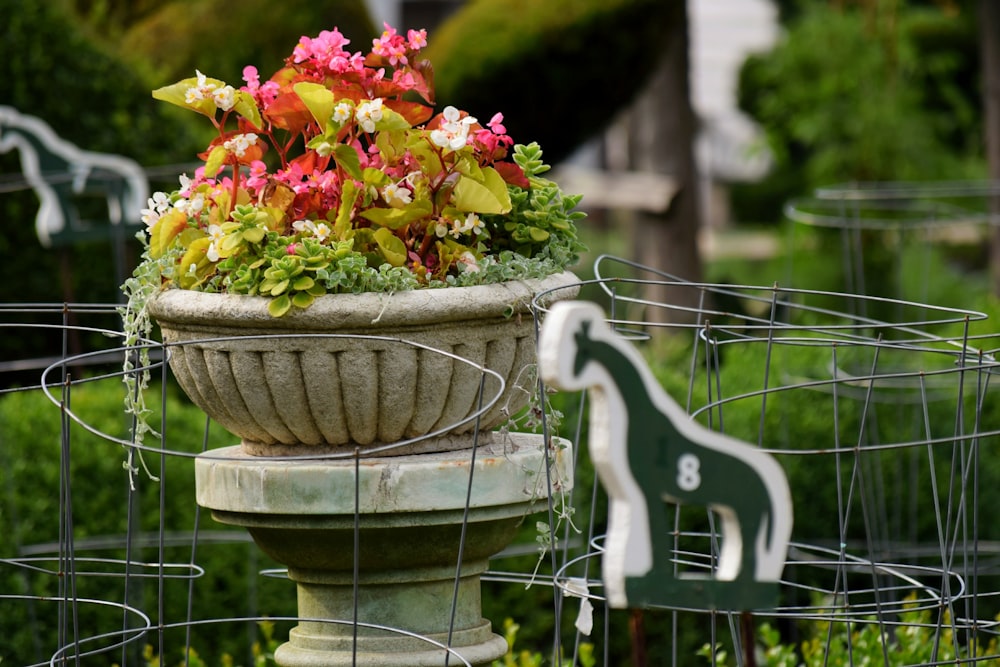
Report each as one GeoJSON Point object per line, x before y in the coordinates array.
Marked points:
{"type": "Point", "coordinates": [730, 146]}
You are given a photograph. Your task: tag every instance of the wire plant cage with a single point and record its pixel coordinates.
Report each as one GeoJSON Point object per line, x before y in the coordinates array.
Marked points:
{"type": "Point", "coordinates": [886, 431]}
{"type": "Point", "coordinates": [883, 231]}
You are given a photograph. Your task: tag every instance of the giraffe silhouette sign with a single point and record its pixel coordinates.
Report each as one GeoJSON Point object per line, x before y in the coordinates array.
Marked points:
{"type": "Point", "coordinates": [648, 452]}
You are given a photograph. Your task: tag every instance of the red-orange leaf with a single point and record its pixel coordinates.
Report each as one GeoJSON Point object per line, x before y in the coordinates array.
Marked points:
{"type": "Point", "coordinates": [415, 113]}
{"type": "Point", "coordinates": [512, 174]}
{"type": "Point", "coordinates": [289, 112]}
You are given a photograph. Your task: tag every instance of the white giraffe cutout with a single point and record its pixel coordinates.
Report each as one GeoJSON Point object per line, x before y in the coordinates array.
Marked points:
{"type": "Point", "coordinates": [647, 452]}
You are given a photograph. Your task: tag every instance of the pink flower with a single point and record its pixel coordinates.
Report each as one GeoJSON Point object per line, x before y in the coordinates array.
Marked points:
{"type": "Point", "coordinates": [258, 175]}
{"type": "Point", "coordinates": [416, 39]}
{"type": "Point", "coordinates": [495, 124]}
{"type": "Point", "coordinates": [263, 94]}
{"type": "Point", "coordinates": [404, 80]}
{"type": "Point", "coordinates": [345, 62]}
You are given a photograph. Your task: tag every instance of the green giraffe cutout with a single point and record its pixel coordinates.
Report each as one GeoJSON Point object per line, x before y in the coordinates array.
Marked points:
{"type": "Point", "coordinates": [648, 453]}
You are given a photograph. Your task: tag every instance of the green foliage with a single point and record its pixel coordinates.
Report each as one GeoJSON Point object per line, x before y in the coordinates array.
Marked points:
{"type": "Point", "coordinates": [541, 222]}
{"type": "Point", "coordinates": [179, 36]}
{"type": "Point", "coordinates": [866, 93]}
{"type": "Point", "coordinates": [49, 69]}
{"type": "Point", "coordinates": [559, 70]}
{"type": "Point", "coordinates": [918, 636]}
{"type": "Point", "coordinates": [525, 658]}
{"type": "Point", "coordinates": [262, 652]}
{"type": "Point", "coordinates": [32, 456]}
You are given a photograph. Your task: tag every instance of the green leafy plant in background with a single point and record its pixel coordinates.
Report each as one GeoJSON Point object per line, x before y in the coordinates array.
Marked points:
{"type": "Point", "coordinates": [875, 91]}
{"type": "Point", "coordinates": [918, 636]}
{"type": "Point", "coordinates": [31, 460]}
{"type": "Point", "coordinates": [262, 652]}
{"type": "Point", "coordinates": [525, 658]}
{"type": "Point", "coordinates": [50, 69]}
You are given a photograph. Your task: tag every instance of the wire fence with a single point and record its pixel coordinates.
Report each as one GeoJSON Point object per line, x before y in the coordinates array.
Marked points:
{"type": "Point", "coordinates": [885, 428]}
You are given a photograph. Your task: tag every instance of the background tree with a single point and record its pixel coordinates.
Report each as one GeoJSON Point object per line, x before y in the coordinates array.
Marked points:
{"type": "Point", "coordinates": [562, 71]}
{"type": "Point", "coordinates": [864, 91]}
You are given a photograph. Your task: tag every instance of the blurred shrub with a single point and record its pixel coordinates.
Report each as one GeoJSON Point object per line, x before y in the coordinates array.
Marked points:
{"type": "Point", "coordinates": [209, 35]}
{"type": "Point", "coordinates": [33, 457]}
{"type": "Point", "coordinates": [559, 70]}
{"type": "Point", "coordinates": [49, 69]}
{"type": "Point", "coordinates": [864, 93]}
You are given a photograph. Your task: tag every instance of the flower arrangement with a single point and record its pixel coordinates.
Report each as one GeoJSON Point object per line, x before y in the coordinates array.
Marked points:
{"type": "Point", "coordinates": [336, 175]}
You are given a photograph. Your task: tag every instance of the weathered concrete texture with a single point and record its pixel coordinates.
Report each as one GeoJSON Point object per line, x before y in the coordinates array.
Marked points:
{"type": "Point", "coordinates": [355, 369]}
{"type": "Point", "coordinates": [397, 561]}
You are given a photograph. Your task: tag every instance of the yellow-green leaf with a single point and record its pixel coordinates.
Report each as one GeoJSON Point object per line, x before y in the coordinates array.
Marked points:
{"type": "Point", "coordinates": [246, 106]}
{"type": "Point", "coordinates": [280, 288]}
{"type": "Point", "coordinates": [391, 121]}
{"type": "Point", "coordinates": [373, 176]}
{"type": "Point", "coordinates": [303, 299]}
{"type": "Point", "coordinates": [318, 99]}
{"type": "Point", "coordinates": [254, 234]}
{"type": "Point", "coordinates": [537, 234]}
{"type": "Point", "coordinates": [215, 160]}
{"type": "Point", "coordinates": [488, 196]}
{"type": "Point", "coordinates": [280, 306]}
{"type": "Point", "coordinates": [177, 94]}
{"type": "Point", "coordinates": [348, 160]}
{"type": "Point", "coordinates": [165, 231]}
{"type": "Point", "coordinates": [302, 283]}
{"type": "Point", "coordinates": [348, 196]}
{"type": "Point", "coordinates": [194, 256]}
{"type": "Point", "coordinates": [394, 218]}
{"type": "Point", "coordinates": [390, 246]}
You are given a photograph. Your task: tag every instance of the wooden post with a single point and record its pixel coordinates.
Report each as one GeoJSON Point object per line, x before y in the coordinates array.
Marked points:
{"type": "Point", "coordinates": [662, 134]}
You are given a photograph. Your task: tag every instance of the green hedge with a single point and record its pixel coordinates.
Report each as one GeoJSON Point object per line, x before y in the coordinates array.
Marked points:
{"type": "Point", "coordinates": [31, 456]}
{"type": "Point", "coordinates": [49, 69]}
{"type": "Point", "coordinates": [559, 70]}
{"type": "Point", "coordinates": [209, 35]}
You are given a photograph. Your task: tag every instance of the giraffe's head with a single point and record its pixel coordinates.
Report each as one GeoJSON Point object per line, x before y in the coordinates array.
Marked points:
{"type": "Point", "coordinates": [564, 348]}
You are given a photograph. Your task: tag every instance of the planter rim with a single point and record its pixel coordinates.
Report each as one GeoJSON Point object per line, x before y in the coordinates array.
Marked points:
{"type": "Point", "coordinates": [363, 310]}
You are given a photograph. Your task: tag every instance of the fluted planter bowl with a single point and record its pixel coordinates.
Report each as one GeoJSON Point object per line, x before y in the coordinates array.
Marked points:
{"type": "Point", "coordinates": [283, 387]}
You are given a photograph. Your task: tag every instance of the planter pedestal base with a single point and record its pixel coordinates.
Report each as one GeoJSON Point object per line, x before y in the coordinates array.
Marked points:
{"type": "Point", "coordinates": [407, 533]}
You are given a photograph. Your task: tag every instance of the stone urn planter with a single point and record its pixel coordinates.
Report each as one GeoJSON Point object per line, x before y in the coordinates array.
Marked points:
{"type": "Point", "coordinates": [366, 465]}
{"type": "Point", "coordinates": [314, 381]}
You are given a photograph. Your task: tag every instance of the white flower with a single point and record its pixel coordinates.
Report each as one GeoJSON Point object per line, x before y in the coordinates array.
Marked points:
{"type": "Point", "coordinates": [320, 230]}
{"type": "Point", "coordinates": [440, 229]}
{"type": "Point", "coordinates": [202, 89]}
{"type": "Point", "coordinates": [454, 132]}
{"type": "Point", "coordinates": [158, 204]}
{"type": "Point", "coordinates": [396, 196]}
{"type": "Point", "coordinates": [468, 262]}
{"type": "Point", "coordinates": [369, 113]}
{"type": "Point", "coordinates": [239, 143]}
{"type": "Point", "coordinates": [324, 149]}
{"type": "Point", "coordinates": [191, 206]}
{"type": "Point", "coordinates": [472, 223]}
{"type": "Point", "coordinates": [216, 234]}
{"type": "Point", "coordinates": [224, 98]}
{"type": "Point", "coordinates": [342, 112]}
